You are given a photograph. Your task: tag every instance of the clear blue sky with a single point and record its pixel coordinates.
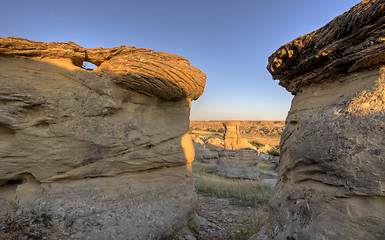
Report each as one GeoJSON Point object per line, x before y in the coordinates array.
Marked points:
{"type": "Point", "coordinates": [230, 40]}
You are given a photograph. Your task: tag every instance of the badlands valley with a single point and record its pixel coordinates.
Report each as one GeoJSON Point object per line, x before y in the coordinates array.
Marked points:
{"type": "Point", "coordinates": [110, 153]}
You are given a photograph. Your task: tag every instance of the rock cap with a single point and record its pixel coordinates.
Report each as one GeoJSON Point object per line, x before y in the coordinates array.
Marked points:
{"type": "Point", "coordinates": [351, 42]}
{"type": "Point", "coordinates": [167, 76]}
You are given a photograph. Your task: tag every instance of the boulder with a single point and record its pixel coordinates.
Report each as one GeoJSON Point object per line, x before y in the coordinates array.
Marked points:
{"type": "Point", "coordinates": [214, 143]}
{"type": "Point", "coordinates": [238, 164]}
{"type": "Point", "coordinates": [202, 152]}
{"type": "Point", "coordinates": [108, 149]}
{"type": "Point", "coordinates": [331, 174]}
{"type": "Point", "coordinates": [210, 157]}
{"type": "Point", "coordinates": [268, 158]}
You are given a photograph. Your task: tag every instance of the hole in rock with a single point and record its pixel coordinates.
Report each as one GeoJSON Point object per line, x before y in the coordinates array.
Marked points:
{"type": "Point", "coordinates": [42, 125]}
{"type": "Point", "coordinates": [149, 146]}
{"type": "Point", "coordinates": [89, 66]}
{"type": "Point", "coordinates": [14, 182]}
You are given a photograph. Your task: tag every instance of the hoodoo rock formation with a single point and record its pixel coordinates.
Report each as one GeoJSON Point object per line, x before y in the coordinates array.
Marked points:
{"type": "Point", "coordinates": [238, 159]}
{"type": "Point", "coordinates": [233, 139]}
{"type": "Point", "coordinates": [331, 177]}
{"type": "Point", "coordinates": [105, 150]}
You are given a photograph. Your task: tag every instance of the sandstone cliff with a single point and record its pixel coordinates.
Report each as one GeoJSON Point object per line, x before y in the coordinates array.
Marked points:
{"type": "Point", "coordinates": [331, 177]}
{"type": "Point", "coordinates": [107, 149]}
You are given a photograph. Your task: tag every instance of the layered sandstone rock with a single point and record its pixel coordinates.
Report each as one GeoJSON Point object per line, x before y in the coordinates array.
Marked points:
{"type": "Point", "coordinates": [238, 164]}
{"type": "Point", "coordinates": [238, 159]}
{"type": "Point", "coordinates": [331, 177]}
{"type": "Point", "coordinates": [107, 149]}
{"type": "Point", "coordinates": [233, 139]}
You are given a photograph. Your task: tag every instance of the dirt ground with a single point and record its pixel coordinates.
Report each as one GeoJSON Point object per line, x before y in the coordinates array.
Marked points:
{"type": "Point", "coordinates": [240, 221]}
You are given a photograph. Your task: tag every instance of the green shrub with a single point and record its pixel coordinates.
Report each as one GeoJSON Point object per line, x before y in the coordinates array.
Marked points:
{"type": "Point", "coordinates": [277, 147]}
{"type": "Point", "coordinates": [256, 144]}
{"type": "Point", "coordinates": [273, 152]}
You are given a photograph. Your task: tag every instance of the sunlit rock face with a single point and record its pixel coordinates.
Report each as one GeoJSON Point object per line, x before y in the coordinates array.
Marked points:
{"type": "Point", "coordinates": [106, 150]}
{"type": "Point", "coordinates": [233, 139]}
{"type": "Point", "coordinates": [332, 172]}
{"type": "Point", "coordinates": [238, 159]}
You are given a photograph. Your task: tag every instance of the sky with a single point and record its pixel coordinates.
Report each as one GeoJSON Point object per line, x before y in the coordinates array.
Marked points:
{"type": "Point", "coordinates": [229, 40]}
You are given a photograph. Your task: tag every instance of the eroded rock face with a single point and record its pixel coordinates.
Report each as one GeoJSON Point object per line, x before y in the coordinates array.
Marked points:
{"type": "Point", "coordinates": [106, 148]}
{"type": "Point", "coordinates": [233, 139]}
{"type": "Point", "coordinates": [332, 168]}
{"type": "Point", "coordinates": [238, 164]}
{"type": "Point", "coordinates": [351, 42]}
{"type": "Point", "coordinates": [238, 159]}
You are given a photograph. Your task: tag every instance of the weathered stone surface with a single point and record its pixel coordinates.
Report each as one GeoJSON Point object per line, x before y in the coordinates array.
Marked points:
{"type": "Point", "coordinates": [238, 159]}
{"type": "Point", "coordinates": [349, 43]}
{"type": "Point", "coordinates": [233, 139]}
{"type": "Point", "coordinates": [208, 230]}
{"type": "Point", "coordinates": [204, 153]}
{"type": "Point", "coordinates": [107, 148]}
{"type": "Point", "coordinates": [238, 164]}
{"type": "Point", "coordinates": [214, 143]}
{"type": "Point", "coordinates": [167, 76]}
{"type": "Point", "coordinates": [331, 174]}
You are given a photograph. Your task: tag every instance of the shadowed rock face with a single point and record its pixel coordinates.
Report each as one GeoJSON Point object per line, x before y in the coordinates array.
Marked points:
{"type": "Point", "coordinates": [107, 149]}
{"type": "Point", "coordinates": [332, 168]}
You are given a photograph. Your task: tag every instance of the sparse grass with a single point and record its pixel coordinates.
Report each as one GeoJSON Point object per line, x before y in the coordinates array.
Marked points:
{"type": "Point", "coordinates": [202, 168]}
{"type": "Point", "coordinates": [246, 193]}
{"type": "Point", "coordinates": [254, 225]}
{"type": "Point", "coordinates": [20, 223]}
{"type": "Point", "coordinates": [267, 167]}
{"type": "Point", "coordinates": [242, 192]}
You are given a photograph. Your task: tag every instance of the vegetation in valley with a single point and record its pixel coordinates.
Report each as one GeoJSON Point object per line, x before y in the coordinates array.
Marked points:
{"type": "Point", "coordinates": [256, 144]}
{"type": "Point", "coordinates": [241, 192]}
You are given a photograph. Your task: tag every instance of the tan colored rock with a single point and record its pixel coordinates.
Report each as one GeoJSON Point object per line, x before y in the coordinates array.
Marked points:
{"type": "Point", "coordinates": [216, 142]}
{"type": "Point", "coordinates": [167, 76]}
{"type": "Point", "coordinates": [238, 164]}
{"type": "Point", "coordinates": [106, 148]}
{"type": "Point", "coordinates": [351, 42]}
{"type": "Point", "coordinates": [233, 139]}
{"type": "Point", "coordinates": [331, 173]}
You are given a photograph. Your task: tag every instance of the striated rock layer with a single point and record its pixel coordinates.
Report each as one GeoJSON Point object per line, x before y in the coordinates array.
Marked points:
{"type": "Point", "coordinates": [107, 149]}
{"type": "Point", "coordinates": [238, 159]}
{"type": "Point", "coordinates": [238, 164]}
{"type": "Point", "coordinates": [233, 139]}
{"type": "Point", "coordinates": [331, 177]}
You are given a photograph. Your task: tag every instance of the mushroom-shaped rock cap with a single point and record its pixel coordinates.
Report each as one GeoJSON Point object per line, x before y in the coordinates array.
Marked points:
{"type": "Point", "coordinates": [167, 76]}
{"type": "Point", "coordinates": [351, 42]}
